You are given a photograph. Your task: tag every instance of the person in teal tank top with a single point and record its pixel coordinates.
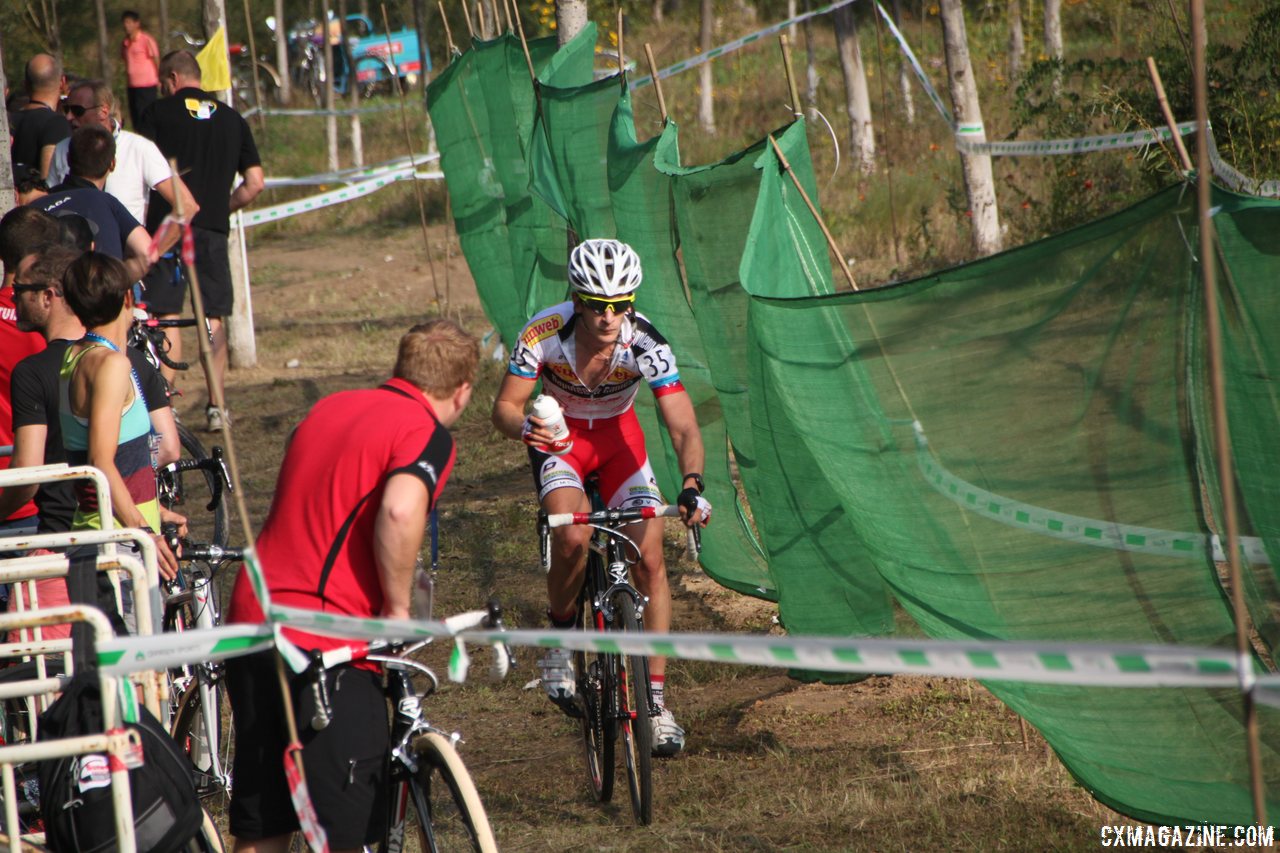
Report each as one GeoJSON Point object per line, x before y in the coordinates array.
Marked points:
{"type": "Point", "coordinates": [102, 411]}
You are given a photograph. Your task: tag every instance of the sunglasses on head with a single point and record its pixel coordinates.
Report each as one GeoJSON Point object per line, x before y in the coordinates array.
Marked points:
{"type": "Point", "coordinates": [77, 110]}
{"type": "Point", "coordinates": [599, 306]}
{"type": "Point", "coordinates": [28, 287]}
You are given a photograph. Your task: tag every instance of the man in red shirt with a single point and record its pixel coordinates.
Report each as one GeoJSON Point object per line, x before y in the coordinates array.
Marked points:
{"type": "Point", "coordinates": [141, 57]}
{"type": "Point", "coordinates": [343, 535]}
{"type": "Point", "coordinates": [21, 230]}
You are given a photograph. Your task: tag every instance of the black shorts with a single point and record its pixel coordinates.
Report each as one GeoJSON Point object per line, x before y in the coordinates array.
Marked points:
{"type": "Point", "coordinates": [346, 762]}
{"type": "Point", "coordinates": [167, 282]}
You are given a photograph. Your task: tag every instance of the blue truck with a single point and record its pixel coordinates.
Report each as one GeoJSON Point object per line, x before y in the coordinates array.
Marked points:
{"type": "Point", "coordinates": [377, 64]}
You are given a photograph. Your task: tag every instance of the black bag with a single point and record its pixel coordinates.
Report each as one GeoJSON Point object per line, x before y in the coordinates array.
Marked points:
{"type": "Point", "coordinates": [75, 791]}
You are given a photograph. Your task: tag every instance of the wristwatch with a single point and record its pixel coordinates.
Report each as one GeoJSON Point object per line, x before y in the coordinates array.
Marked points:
{"type": "Point", "coordinates": [697, 482]}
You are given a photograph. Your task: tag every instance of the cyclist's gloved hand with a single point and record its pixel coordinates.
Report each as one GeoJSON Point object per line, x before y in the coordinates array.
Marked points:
{"type": "Point", "coordinates": [691, 502]}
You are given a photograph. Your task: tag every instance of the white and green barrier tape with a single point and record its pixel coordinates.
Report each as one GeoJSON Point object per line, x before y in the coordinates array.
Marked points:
{"type": "Point", "coordinates": [1075, 528]}
{"type": "Point", "coordinates": [347, 111]}
{"type": "Point", "coordinates": [353, 174]}
{"type": "Point", "coordinates": [124, 655]}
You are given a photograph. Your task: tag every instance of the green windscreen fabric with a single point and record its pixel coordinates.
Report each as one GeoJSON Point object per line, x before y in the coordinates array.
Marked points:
{"type": "Point", "coordinates": [482, 107]}
{"type": "Point", "coordinates": [742, 212]}
{"type": "Point", "coordinates": [1014, 442]}
{"type": "Point", "coordinates": [587, 164]}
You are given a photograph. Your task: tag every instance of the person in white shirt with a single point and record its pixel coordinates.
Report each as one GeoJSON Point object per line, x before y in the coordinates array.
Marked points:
{"type": "Point", "coordinates": [140, 167]}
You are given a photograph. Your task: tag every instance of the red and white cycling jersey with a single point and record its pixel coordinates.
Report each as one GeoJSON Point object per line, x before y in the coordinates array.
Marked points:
{"type": "Point", "coordinates": [546, 349]}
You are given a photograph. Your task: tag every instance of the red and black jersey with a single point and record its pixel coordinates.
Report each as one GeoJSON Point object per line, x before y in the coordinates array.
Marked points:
{"type": "Point", "coordinates": [317, 546]}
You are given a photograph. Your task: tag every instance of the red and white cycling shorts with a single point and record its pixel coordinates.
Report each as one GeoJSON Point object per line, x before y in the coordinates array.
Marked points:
{"type": "Point", "coordinates": [613, 448]}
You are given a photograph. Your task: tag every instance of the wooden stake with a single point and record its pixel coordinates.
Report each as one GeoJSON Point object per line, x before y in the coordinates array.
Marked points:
{"type": "Point", "coordinates": [657, 84]}
{"type": "Point", "coordinates": [466, 16]}
{"type": "Point", "coordinates": [1168, 115]}
{"type": "Point", "coordinates": [1221, 429]}
{"type": "Point", "coordinates": [408, 142]}
{"type": "Point", "coordinates": [791, 81]}
{"type": "Point", "coordinates": [525, 45]}
{"type": "Point", "coordinates": [480, 20]}
{"type": "Point", "coordinates": [622, 63]}
{"type": "Point", "coordinates": [786, 167]}
{"type": "Point", "coordinates": [253, 63]}
{"type": "Point", "coordinates": [448, 33]}
{"type": "Point", "coordinates": [506, 11]}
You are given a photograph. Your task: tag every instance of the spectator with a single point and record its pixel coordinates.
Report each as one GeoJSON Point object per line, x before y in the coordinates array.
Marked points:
{"type": "Point", "coordinates": [141, 64]}
{"type": "Point", "coordinates": [90, 157]}
{"type": "Point", "coordinates": [344, 537]}
{"type": "Point", "coordinates": [140, 167]}
{"type": "Point", "coordinates": [28, 184]}
{"type": "Point", "coordinates": [211, 143]}
{"type": "Point", "coordinates": [20, 230]}
{"type": "Point", "coordinates": [39, 125]}
{"type": "Point", "coordinates": [102, 407]}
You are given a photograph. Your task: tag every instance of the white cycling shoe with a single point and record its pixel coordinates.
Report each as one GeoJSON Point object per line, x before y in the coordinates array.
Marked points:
{"type": "Point", "coordinates": [668, 737]}
{"type": "Point", "coordinates": [558, 680]}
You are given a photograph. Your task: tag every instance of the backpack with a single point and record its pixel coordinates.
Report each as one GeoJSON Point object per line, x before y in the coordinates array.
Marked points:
{"type": "Point", "coordinates": [75, 791]}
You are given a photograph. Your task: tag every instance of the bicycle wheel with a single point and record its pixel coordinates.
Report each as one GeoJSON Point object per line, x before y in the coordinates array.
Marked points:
{"type": "Point", "coordinates": [596, 674]}
{"type": "Point", "coordinates": [450, 814]}
{"type": "Point", "coordinates": [634, 710]}
{"type": "Point", "coordinates": [206, 741]}
{"type": "Point", "coordinates": [190, 493]}
{"type": "Point", "coordinates": [208, 839]}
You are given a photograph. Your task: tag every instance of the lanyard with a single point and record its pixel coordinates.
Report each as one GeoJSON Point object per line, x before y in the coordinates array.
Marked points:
{"type": "Point", "coordinates": [109, 344]}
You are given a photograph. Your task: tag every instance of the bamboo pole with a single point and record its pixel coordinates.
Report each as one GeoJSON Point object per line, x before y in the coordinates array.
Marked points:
{"type": "Point", "coordinates": [448, 33]}
{"type": "Point", "coordinates": [408, 142]}
{"type": "Point", "coordinates": [506, 11]}
{"type": "Point", "coordinates": [253, 64]}
{"type": "Point", "coordinates": [524, 44]}
{"type": "Point", "coordinates": [1222, 435]}
{"type": "Point", "coordinates": [793, 92]}
{"type": "Point", "coordinates": [831, 241]}
{"type": "Point", "coordinates": [1183, 156]}
{"type": "Point", "coordinates": [622, 63]}
{"type": "Point", "coordinates": [481, 22]}
{"type": "Point", "coordinates": [466, 17]}
{"type": "Point", "coordinates": [657, 84]}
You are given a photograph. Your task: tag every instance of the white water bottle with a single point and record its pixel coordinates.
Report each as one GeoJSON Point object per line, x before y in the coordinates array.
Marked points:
{"type": "Point", "coordinates": [547, 410]}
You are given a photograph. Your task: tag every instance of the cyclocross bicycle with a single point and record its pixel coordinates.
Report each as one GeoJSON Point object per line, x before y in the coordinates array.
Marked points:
{"type": "Point", "coordinates": [426, 772]}
{"type": "Point", "coordinates": [613, 688]}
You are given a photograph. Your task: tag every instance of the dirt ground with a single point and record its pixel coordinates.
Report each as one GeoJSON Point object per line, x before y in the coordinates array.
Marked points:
{"type": "Point", "coordinates": [772, 763]}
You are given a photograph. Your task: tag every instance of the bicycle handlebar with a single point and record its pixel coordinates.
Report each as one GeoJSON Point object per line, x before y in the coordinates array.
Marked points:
{"type": "Point", "coordinates": [616, 517]}
{"type": "Point", "coordinates": [215, 464]}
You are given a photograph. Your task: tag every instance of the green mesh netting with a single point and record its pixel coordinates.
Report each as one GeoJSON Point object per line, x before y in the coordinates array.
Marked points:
{"type": "Point", "coordinates": [1018, 448]}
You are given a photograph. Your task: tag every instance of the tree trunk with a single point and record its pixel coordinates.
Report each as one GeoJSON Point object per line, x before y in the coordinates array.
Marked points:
{"type": "Point", "coordinates": [978, 181]}
{"type": "Point", "coordinates": [163, 37]}
{"type": "Point", "coordinates": [571, 17]}
{"type": "Point", "coordinates": [904, 73]}
{"type": "Point", "coordinates": [810, 68]}
{"type": "Point", "coordinates": [657, 11]}
{"type": "Point", "coordinates": [791, 13]}
{"type": "Point", "coordinates": [282, 54]}
{"type": "Point", "coordinates": [862, 138]}
{"type": "Point", "coordinates": [1015, 40]}
{"type": "Point", "coordinates": [104, 46]}
{"type": "Point", "coordinates": [353, 86]}
{"type": "Point", "coordinates": [1053, 39]}
{"type": "Point", "coordinates": [8, 197]}
{"type": "Point", "coordinates": [706, 102]}
{"type": "Point", "coordinates": [330, 121]}
{"type": "Point", "coordinates": [215, 17]}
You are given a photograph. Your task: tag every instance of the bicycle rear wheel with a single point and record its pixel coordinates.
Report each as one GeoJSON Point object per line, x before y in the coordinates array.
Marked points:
{"type": "Point", "coordinates": [596, 673]}
{"type": "Point", "coordinates": [450, 814]}
{"type": "Point", "coordinates": [634, 710]}
{"type": "Point", "coordinates": [210, 756]}
{"type": "Point", "coordinates": [189, 493]}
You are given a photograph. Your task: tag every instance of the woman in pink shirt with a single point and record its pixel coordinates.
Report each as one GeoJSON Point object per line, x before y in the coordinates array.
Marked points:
{"type": "Point", "coordinates": [142, 64]}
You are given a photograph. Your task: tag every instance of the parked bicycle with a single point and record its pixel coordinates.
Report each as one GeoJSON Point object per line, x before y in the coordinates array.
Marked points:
{"type": "Point", "coordinates": [243, 64]}
{"type": "Point", "coordinates": [613, 688]}
{"type": "Point", "coordinates": [427, 774]}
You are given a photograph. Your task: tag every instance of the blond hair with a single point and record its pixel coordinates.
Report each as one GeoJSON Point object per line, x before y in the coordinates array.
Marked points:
{"type": "Point", "coordinates": [437, 356]}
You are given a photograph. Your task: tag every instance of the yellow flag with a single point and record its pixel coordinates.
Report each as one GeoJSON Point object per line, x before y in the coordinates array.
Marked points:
{"type": "Point", "coordinates": [215, 69]}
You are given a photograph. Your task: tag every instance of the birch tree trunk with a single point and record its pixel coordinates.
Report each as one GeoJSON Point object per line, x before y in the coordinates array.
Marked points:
{"type": "Point", "coordinates": [706, 103]}
{"type": "Point", "coordinates": [1053, 39]}
{"type": "Point", "coordinates": [904, 73]}
{"type": "Point", "coordinates": [282, 54]}
{"type": "Point", "coordinates": [862, 138]}
{"type": "Point", "coordinates": [657, 11]}
{"type": "Point", "coordinates": [1015, 40]}
{"type": "Point", "coordinates": [810, 68]}
{"type": "Point", "coordinates": [163, 36]}
{"type": "Point", "coordinates": [978, 181]}
{"type": "Point", "coordinates": [104, 47]}
{"type": "Point", "coordinates": [8, 197]}
{"type": "Point", "coordinates": [571, 17]}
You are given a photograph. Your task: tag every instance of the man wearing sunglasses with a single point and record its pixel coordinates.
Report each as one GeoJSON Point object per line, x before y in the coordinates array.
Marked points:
{"type": "Point", "coordinates": [139, 165]}
{"type": "Point", "coordinates": [591, 354]}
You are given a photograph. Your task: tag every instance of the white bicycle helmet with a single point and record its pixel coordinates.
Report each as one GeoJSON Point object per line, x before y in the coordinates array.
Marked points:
{"type": "Point", "coordinates": [605, 269]}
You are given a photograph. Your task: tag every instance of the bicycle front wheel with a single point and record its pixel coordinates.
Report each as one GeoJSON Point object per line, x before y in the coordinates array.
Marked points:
{"type": "Point", "coordinates": [190, 493]}
{"type": "Point", "coordinates": [202, 727]}
{"type": "Point", "coordinates": [450, 814]}
{"type": "Point", "coordinates": [634, 710]}
{"type": "Point", "coordinates": [596, 673]}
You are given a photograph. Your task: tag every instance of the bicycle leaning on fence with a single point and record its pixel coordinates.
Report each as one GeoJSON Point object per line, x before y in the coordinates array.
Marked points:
{"type": "Point", "coordinates": [613, 688]}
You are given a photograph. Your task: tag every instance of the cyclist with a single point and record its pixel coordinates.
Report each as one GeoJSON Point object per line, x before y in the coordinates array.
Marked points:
{"type": "Point", "coordinates": [591, 353]}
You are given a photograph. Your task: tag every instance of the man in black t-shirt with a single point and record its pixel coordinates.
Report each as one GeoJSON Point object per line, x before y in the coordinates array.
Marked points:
{"type": "Point", "coordinates": [40, 125]}
{"type": "Point", "coordinates": [212, 143]}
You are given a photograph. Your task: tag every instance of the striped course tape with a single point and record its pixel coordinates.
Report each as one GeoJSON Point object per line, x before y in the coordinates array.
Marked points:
{"type": "Point", "coordinates": [338, 196]}
{"type": "Point", "coordinates": [123, 655]}
{"type": "Point", "coordinates": [1075, 528]}
{"type": "Point", "coordinates": [354, 173]}
{"type": "Point", "coordinates": [348, 111]}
